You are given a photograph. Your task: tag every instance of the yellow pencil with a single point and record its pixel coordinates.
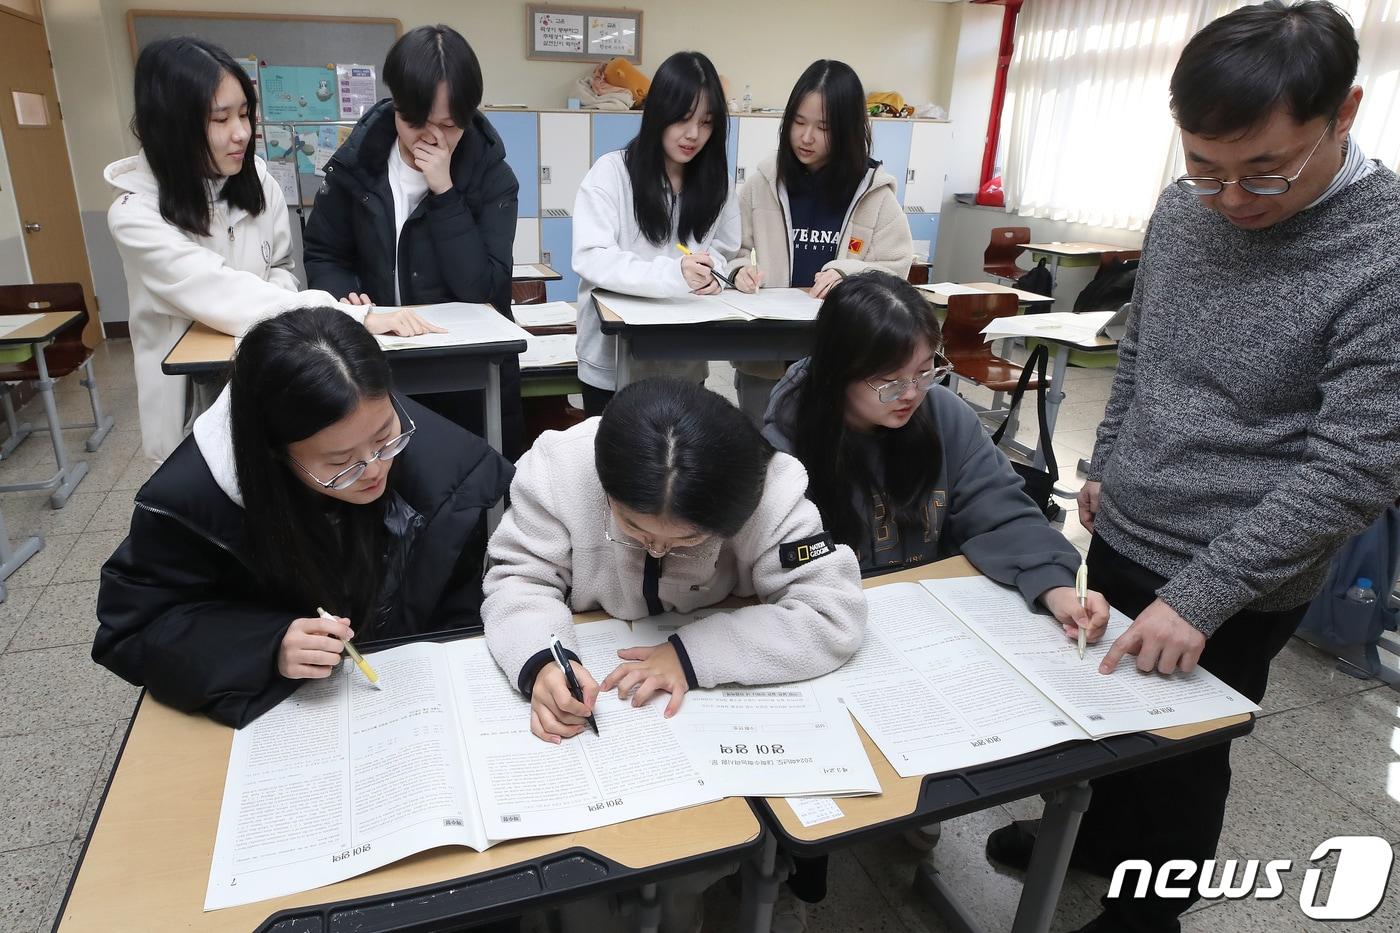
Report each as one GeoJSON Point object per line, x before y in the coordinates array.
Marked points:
{"type": "Point", "coordinates": [355, 655]}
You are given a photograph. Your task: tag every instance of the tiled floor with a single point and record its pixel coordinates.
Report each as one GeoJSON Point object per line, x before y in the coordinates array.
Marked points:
{"type": "Point", "coordinates": [1324, 759]}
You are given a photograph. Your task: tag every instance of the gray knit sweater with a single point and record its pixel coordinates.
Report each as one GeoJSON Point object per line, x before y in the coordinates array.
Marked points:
{"type": "Point", "coordinates": [1253, 423]}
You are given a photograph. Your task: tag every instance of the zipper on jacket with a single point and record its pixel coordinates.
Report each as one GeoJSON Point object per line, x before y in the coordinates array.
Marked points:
{"type": "Point", "coordinates": [199, 532]}
{"type": "Point", "coordinates": [230, 233]}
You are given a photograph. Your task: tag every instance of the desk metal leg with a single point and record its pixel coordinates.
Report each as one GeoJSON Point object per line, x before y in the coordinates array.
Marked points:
{"type": "Point", "coordinates": [491, 399]}
{"type": "Point", "coordinates": [624, 363]}
{"type": "Point", "coordinates": [648, 909]}
{"type": "Point", "coordinates": [761, 877]}
{"type": "Point", "coordinates": [102, 424]}
{"type": "Point", "coordinates": [933, 889]}
{"type": "Point", "coordinates": [65, 479]}
{"type": "Point", "coordinates": [18, 431]}
{"type": "Point", "coordinates": [1059, 825]}
{"type": "Point", "coordinates": [11, 559]}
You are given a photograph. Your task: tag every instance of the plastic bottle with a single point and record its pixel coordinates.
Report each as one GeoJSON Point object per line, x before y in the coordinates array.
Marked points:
{"type": "Point", "coordinates": [1361, 592]}
{"type": "Point", "coordinates": [748, 100]}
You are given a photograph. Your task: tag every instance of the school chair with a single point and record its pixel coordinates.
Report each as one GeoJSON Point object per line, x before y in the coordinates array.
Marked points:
{"type": "Point", "coordinates": [971, 355]}
{"type": "Point", "coordinates": [999, 260]}
{"type": "Point", "coordinates": [66, 354]}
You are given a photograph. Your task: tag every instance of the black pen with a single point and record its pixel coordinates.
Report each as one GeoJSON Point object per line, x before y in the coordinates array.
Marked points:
{"type": "Point", "coordinates": [556, 648]}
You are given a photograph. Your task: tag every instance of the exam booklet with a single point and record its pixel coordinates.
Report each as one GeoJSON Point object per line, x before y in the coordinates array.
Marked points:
{"type": "Point", "coordinates": [464, 324]}
{"type": "Point", "coordinates": [772, 304]}
{"type": "Point", "coordinates": [959, 672]}
{"type": "Point", "coordinates": [341, 778]}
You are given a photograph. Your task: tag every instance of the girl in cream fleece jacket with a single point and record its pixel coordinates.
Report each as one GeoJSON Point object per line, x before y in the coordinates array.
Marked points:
{"type": "Point", "coordinates": [628, 514]}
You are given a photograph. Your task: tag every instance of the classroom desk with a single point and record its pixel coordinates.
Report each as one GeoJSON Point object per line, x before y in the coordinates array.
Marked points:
{"type": "Point", "coordinates": [1061, 774]}
{"type": "Point", "coordinates": [712, 340]}
{"type": "Point", "coordinates": [1025, 298]}
{"type": "Point", "coordinates": [417, 370]}
{"type": "Point", "coordinates": [533, 272]}
{"type": "Point", "coordinates": [65, 478]}
{"type": "Point", "coordinates": [1055, 393]}
{"type": "Point", "coordinates": [1070, 256]}
{"type": "Point", "coordinates": [146, 861]}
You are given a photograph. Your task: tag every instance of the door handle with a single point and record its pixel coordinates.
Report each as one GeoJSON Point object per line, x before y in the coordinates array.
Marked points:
{"type": "Point", "coordinates": [33, 228]}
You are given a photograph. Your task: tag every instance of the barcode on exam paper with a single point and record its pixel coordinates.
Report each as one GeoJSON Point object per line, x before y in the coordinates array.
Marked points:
{"type": "Point", "coordinates": [510, 818]}
{"type": "Point", "coordinates": [1058, 722]}
{"type": "Point", "coordinates": [452, 821]}
{"type": "Point", "coordinates": [1095, 717]}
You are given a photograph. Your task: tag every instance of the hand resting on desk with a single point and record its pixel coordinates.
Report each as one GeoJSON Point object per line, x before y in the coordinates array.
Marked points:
{"type": "Point", "coordinates": [653, 669]}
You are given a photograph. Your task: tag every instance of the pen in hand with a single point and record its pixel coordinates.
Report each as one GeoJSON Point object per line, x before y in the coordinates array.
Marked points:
{"type": "Point", "coordinates": [355, 655]}
{"type": "Point", "coordinates": [556, 648]}
{"type": "Point", "coordinates": [723, 280]}
{"type": "Point", "coordinates": [1081, 589]}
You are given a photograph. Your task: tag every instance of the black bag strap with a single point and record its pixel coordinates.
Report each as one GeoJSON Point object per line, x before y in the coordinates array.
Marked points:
{"type": "Point", "coordinates": [1037, 362]}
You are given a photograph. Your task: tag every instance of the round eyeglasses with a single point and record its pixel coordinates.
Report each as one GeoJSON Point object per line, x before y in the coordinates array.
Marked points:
{"type": "Point", "coordinates": [351, 474]}
{"type": "Point", "coordinates": [1206, 185]}
{"type": "Point", "coordinates": [891, 392]}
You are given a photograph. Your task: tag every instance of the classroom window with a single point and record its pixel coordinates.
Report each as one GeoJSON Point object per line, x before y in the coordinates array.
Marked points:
{"type": "Point", "coordinates": [30, 109]}
{"type": "Point", "coordinates": [1086, 134]}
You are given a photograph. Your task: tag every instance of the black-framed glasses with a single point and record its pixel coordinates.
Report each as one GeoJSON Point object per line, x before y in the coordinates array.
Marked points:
{"type": "Point", "coordinates": [351, 474]}
{"type": "Point", "coordinates": [1206, 185]}
{"type": "Point", "coordinates": [890, 392]}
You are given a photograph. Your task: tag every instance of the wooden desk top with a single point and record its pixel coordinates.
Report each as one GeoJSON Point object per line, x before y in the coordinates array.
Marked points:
{"type": "Point", "coordinates": [147, 861]}
{"type": "Point", "coordinates": [1075, 248]}
{"type": "Point", "coordinates": [899, 796]}
{"type": "Point", "coordinates": [49, 325]}
{"type": "Point", "coordinates": [1028, 298]}
{"type": "Point", "coordinates": [200, 344]}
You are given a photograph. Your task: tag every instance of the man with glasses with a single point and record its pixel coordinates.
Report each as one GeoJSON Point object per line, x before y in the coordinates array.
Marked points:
{"type": "Point", "coordinates": [1253, 424]}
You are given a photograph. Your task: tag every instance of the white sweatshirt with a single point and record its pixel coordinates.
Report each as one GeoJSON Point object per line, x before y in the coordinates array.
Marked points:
{"type": "Point", "coordinates": [610, 252]}
{"type": "Point", "coordinates": [229, 280]}
{"type": "Point", "coordinates": [549, 559]}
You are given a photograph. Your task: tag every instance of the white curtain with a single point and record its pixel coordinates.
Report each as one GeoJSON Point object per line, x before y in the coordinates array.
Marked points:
{"type": "Point", "coordinates": [1377, 129]}
{"type": "Point", "coordinates": [1091, 138]}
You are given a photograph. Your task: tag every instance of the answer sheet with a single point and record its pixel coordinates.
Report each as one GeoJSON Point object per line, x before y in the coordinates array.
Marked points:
{"type": "Point", "coordinates": [550, 350]}
{"type": "Point", "coordinates": [465, 323]}
{"type": "Point", "coordinates": [933, 697]}
{"type": "Point", "coordinates": [1075, 327]}
{"type": "Point", "coordinates": [685, 309]}
{"type": "Point", "coordinates": [785, 740]}
{"type": "Point", "coordinates": [549, 314]}
{"type": "Point", "coordinates": [1125, 701]}
{"type": "Point", "coordinates": [773, 304]}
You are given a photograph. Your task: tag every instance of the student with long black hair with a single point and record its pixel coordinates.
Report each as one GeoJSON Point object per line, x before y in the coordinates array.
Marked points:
{"type": "Point", "coordinates": [299, 489]}
{"type": "Point", "coordinates": [904, 473]}
{"type": "Point", "coordinates": [669, 186]}
{"type": "Point", "coordinates": [671, 501]}
{"type": "Point", "coordinates": [200, 225]}
{"type": "Point", "coordinates": [820, 209]}
{"type": "Point", "coordinates": [419, 205]}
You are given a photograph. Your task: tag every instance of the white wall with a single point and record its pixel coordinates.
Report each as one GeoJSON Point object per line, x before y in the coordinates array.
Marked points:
{"type": "Point", "coordinates": [964, 230]}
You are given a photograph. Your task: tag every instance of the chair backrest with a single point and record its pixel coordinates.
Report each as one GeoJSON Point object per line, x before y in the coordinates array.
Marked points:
{"type": "Point", "coordinates": [1005, 244]}
{"type": "Point", "coordinates": [967, 316]}
{"type": "Point", "coordinates": [52, 296]}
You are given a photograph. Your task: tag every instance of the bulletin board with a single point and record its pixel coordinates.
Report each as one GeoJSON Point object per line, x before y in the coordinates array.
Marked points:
{"type": "Point", "coordinates": [291, 44]}
{"type": "Point", "coordinates": [565, 33]}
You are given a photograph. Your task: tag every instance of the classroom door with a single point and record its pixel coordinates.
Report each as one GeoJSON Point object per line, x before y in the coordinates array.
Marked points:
{"type": "Point", "coordinates": [32, 125]}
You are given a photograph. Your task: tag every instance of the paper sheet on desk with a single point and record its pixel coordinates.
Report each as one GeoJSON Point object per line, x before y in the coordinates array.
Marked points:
{"type": "Point", "coordinates": [465, 323]}
{"type": "Point", "coordinates": [549, 314]}
{"type": "Point", "coordinates": [550, 350]}
{"type": "Point", "coordinates": [950, 288]}
{"type": "Point", "coordinates": [1081, 327]}
{"type": "Point", "coordinates": [783, 740]}
{"type": "Point", "coordinates": [12, 322]}
{"type": "Point", "coordinates": [770, 304]}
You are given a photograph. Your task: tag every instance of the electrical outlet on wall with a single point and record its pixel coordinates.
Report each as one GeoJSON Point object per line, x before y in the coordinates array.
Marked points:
{"type": "Point", "coordinates": [909, 176]}
{"type": "Point", "coordinates": [738, 175]}
{"type": "Point", "coordinates": [545, 258]}
{"type": "Point", "coordinates": [544, 174]}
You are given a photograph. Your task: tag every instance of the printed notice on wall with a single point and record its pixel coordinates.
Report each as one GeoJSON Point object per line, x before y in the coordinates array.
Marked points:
{"type": "Point", "coordinates": [558, 32]}
{"type": "Point", "coordinates": [357, 90]}
{"type": "Point", "coordinates": [612, 35]}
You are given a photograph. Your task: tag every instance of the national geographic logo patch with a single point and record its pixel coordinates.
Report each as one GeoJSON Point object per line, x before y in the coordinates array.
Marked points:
{"type": "Point", "coordinates": [796, 553]}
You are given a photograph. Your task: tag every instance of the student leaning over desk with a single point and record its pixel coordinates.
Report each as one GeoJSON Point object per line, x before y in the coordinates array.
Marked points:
{"type": "Point", "coordinates": [818, 210]}
{"type": "Point", "coordinates": [299, 489]}
{"type": "Point", "coordinates": [671, 501]}
{"type": "Point", "coordinates": [670, 187]}
{"type": "Point", "coordinates": [201, 227]}
{"type": "Point", "coordinates": [904, 472]}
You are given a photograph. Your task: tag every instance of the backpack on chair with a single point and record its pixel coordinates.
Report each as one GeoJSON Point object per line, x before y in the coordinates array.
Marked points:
{"type": "Point", "coordinates": [1038, 280]}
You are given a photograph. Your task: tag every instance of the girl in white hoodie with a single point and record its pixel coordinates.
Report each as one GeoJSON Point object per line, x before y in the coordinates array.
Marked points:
{"type": "Point", "coordinates": [200, 225]}
{"type": "Point", "coordinates": [817, 210]}
{"type": "Point", "coordinates": [669, 186]}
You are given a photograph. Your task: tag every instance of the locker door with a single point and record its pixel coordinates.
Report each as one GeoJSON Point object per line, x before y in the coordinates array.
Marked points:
{"type": "Point", "coordinates": [928, 160]}
{"type": "Point", "coordinates": [565, 140]}
{"type": "Point", "coordinates": [890, 144]}
{"type": "Point", "coordinates": [758, 139]}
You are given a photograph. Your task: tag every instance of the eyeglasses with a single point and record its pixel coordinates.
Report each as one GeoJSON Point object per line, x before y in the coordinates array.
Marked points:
{"type": "Point", "coordinates": [632, 544]}
{"type": "Point", "coordinates": [351, 474]}
{"type": "Point", "coordinates": [1205, 185]}
{"type": "Point", "coordinates": [891, 392]}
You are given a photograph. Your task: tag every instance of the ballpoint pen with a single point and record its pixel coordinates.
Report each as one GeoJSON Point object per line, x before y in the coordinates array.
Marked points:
{"type": "Point", "coordinates": [713, 271]}
{"type": "Point", "coordinates": [1081, 589]}
{"type": "Point", "coordinates": [556, 648]}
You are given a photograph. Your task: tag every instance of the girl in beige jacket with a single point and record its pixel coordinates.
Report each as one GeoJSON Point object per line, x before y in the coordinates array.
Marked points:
{"type": "Point", "coordinates": [670, 502]}
{"type": "Point", "coordinates": [819, 210]}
